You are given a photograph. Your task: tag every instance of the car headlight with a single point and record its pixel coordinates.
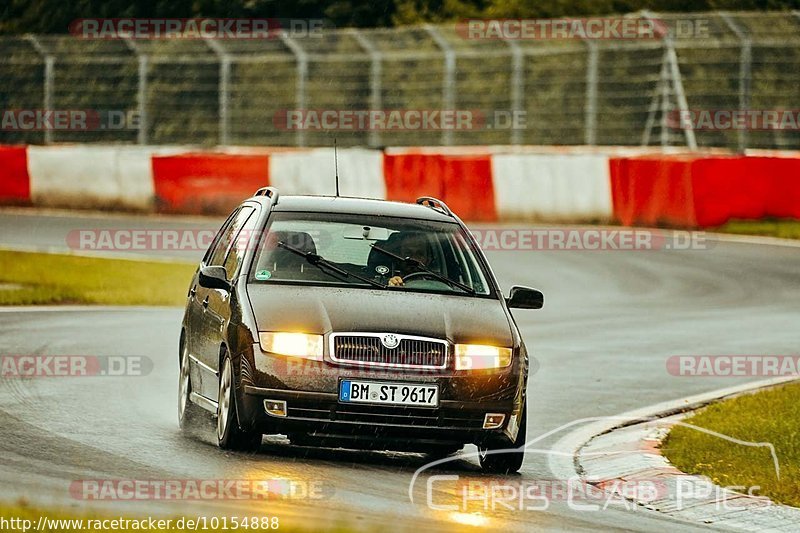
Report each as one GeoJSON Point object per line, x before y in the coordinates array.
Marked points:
{"type": "Point", "coordinates": [294, 344]}
{"type": "Point", "coordinates": [478, 356]}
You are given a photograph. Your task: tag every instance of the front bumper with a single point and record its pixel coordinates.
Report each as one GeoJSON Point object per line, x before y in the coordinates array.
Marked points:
{"type": "Point", "coordinates": [321, 414]}
{"type": "Point", "coordinates": [311, 392]}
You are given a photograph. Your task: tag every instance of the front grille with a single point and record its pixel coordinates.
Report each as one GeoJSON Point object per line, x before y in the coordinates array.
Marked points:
{"type": "Point", "coordinates": [375, 415]}
{"type": "Point", "coordinates": [367, 349]}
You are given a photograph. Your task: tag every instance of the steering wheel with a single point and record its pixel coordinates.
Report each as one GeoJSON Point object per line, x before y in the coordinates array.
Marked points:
{"type": "Point", "coordinates": [415, 275]}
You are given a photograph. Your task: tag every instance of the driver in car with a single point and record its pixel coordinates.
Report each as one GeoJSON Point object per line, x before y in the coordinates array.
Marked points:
{"type": "Point", "coordinates": [415, 247]}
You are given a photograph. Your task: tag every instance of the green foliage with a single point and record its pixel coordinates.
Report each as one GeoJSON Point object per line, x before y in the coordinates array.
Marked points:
{"type": "Point", "coordinates": [784, 228]}
{"type": "Point", "coordinates": [54, 16]}
{"type": "Point", "coordinates": [766, 416]}
{"type": "Point", "coordinates": [36, 278]}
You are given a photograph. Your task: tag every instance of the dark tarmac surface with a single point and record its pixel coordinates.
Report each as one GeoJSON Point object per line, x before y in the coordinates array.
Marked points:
{"type": "Point", "coordinates": [611, 320]}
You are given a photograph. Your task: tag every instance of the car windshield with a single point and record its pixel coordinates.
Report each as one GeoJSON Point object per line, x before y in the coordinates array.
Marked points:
{"type": "Point", "coordinates": [369, 251]}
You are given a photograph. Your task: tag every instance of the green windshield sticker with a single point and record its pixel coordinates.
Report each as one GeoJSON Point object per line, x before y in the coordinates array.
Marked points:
{"type": "Point", "coordinates": [263, 274]}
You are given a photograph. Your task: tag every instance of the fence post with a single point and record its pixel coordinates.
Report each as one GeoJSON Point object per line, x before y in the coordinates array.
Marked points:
{"type": "Point", "coordinates": [141, 93]}
{"type": "Point", "coordinates": [302, 76]}
{"type": "Point", "coordinates": [665, 109]}
{"type": "Point", "coordinates": [517, 86]}
{"type": "Point", "coordinates": [654, 102]}
{"type": "Point", "coordinates": [590, 111]}
{"type": "Point", "coordinates": [223, 91]}
{"type": "Point", "coordinates": [680, 95]}
{"type": "Point", "coordinates": [745, 70]}
{"type": "Point", "coordinates": [49, 72]}
{"type": "Point", "coordinates": [449, 80]}
{"type": "Point", "coordinates": [670, 61]}
{"type": "Point", "coordinates": [375, 97]}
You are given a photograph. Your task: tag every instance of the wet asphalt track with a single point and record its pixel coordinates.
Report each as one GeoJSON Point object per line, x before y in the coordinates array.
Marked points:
{"type": "Point", "coordinates": [610, 322]}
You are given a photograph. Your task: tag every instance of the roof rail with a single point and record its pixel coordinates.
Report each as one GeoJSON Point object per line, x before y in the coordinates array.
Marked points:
{"type": "Point", "coordinates": [269, 192]}
{"type": "Point", "coordinates": [434, 203]}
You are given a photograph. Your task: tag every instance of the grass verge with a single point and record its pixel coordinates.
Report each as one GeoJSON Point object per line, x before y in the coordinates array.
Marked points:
{"type": "Point", "coordinates": [766, 416]}
{"type": "Point", "coordinates": [783, 228]}
{"type": "Point", "coordinates": [36, 278]}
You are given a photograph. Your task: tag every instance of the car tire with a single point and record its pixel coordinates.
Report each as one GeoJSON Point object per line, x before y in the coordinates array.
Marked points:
{"type": "Point", "coordinates": [508, 462]}
{"type": "Point", "coordinates": [229, 435]}
{"type": "Point", "coordinates": [188, 412]}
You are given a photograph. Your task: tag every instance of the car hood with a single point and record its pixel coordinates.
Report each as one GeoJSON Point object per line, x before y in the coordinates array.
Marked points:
{"type": "Point", "coordinates": [323, 310]}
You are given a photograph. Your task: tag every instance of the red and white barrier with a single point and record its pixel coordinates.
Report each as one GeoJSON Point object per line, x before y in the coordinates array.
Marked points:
{"type": "Point", "coordinates": [552, 187]}
{"type": "Point", "coordinates": [700, 191]}
{"type": "Point", "coordinates": [479, 184]}
{"type": "Point", "coordinates": [15, 185]}
{"type": "Point", "coordinates": [91, 176]}
{"type": "Point", "coordinates": [313, 171]}
{"type": "Point", "coordinates": [463, 182]}
{"type": "Point", "coordinates": [206, 183]}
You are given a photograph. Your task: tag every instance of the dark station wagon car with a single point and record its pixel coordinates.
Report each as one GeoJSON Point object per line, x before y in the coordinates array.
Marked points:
{"type": "Point", "coordinates": [355, 323]}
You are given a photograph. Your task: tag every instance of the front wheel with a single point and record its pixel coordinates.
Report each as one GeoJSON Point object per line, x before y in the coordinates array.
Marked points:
{"type": "Point", "coordinates": [229, 435]}
{"type": "Point", "coordinates": [509, 460]}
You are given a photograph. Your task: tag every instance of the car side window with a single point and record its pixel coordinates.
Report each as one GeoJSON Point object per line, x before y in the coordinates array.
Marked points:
{"type": "Point", "coordinates": [240, 242]}
{"type": "Point", "coordinates": [228, 235]}
{"type": "Point", "coordinates": [215, 244]}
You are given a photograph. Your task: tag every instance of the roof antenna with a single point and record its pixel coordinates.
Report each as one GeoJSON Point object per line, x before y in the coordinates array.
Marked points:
{"type": "Point", "coordinates": [336, 166]}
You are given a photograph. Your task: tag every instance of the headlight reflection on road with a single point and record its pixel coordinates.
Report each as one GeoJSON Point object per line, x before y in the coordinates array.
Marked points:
{"type": "Point", "coordinates": [284, 487]}
{"type": "Point", "coordinates": [469, 519]}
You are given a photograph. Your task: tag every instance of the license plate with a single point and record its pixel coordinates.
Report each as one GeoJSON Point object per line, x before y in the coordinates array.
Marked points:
{"type": "Point", "coordinates": [387, 393]}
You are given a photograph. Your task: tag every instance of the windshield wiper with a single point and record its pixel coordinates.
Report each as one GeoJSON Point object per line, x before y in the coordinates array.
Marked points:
{"type": "Point", "coordinates": [423, 268]}
{"type": "Point", "coordinates": [322, 264]}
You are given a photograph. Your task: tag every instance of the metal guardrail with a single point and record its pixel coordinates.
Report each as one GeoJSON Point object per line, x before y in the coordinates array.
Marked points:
{"type": "Point", "coordinates": [570, 92]}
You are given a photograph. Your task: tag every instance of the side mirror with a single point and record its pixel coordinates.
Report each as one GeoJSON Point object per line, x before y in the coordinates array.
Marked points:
{"type": "Point", "coordinates": [214, 277]}
{"type": "Point", "coordinates": [525, 298]}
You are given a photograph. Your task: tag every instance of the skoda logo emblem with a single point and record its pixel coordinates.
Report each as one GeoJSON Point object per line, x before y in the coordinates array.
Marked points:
{"type": "Point", "coordinates": [390, 341]}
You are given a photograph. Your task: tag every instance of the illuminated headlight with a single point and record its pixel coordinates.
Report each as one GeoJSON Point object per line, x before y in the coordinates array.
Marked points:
{"type": "Point", "coordinates": [478, 356]}
{"type": "Point", "coordinates": [294, 344]}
